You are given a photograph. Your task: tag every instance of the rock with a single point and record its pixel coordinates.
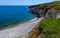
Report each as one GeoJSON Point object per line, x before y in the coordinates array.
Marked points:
{"type": "Point", "coordinates": [46, 11]}
{"type": "Point", "coordinates": [35, 10]}
{"type": "Point", "coordinates": [58, 14]}
{"type": "Point", "coordinates": [52, 13]}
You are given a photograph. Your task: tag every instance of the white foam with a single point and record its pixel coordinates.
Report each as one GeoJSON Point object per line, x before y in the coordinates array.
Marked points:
{"type": "Point", "coordinates": [19, 30]}
{"type": "Point", "coordinates": [34, 19]}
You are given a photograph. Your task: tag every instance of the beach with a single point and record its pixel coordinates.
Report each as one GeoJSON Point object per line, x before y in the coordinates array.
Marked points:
{"type": "Point", "coordinates": [20, 30]}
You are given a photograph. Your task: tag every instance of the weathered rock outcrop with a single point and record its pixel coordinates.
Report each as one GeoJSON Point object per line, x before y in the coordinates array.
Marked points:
{"type": "Point", "coordinates": [52, 13]}
{"type": "Point", "coordinates": [35, 10]}
{"type": "Point", "coordinates": [47, 11]}
{"type": "Point", "coordinates": [40, 11]}
{"type": "Point", "coordinates": [58, 14]}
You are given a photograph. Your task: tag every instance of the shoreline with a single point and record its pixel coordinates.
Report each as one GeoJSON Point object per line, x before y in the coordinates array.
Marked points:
{"type": "Point", "coordinates": [20, 30]}
{"type": "Point", "coordinates": [14, 24]}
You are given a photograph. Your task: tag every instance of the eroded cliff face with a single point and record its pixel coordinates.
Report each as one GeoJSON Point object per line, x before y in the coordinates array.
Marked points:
{"type": "Point", "coordinates": [45, 11]}
{"type": "Point", "coordinates": [58, 14]}
{"type": "Point", "coordinates": [52, 13]}
{"type": "Point", "coordinates": [41, 11]}
{"type": "Point", "coordinates": [35, 9]}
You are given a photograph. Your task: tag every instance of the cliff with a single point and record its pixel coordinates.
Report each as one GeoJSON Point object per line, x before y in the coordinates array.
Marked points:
{"type": "Point", "coordinates": [47, 28]}
{"type": "Point", "coordinates": [46, 9]}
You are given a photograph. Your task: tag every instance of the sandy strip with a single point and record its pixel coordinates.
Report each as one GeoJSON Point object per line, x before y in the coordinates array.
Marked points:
{"type": "Point", "coordinates": [20, 29]}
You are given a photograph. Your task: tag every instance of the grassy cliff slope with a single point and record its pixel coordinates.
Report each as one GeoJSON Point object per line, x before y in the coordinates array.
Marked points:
{"type": "Point", "coordinates": [51, 28]}
{"type": "Point", "coordinates": [48, 28]}
{"type": "Point", "coordinates": [55, 3]}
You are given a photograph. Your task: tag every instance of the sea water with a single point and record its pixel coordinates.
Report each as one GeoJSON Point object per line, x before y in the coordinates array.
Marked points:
{"type": "Point", "coordinates": [14, 14]}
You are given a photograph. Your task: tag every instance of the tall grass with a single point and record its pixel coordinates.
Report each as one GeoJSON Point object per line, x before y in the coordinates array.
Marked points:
{"type": "Point", "coordinates": [51, 28]}
{"type": "Point", "coordinates": [57, 3]}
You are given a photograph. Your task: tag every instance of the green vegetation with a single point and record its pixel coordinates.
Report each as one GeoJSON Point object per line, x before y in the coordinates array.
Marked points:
{"type": "Point", "coordinates": [55, 3]}
{"type": "Point", "coordinates": [51, 28]}
{"type": "Point", "coordinates": [57, 7]}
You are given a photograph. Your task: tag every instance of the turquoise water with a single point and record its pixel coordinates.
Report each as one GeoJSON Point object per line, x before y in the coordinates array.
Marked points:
{"type": "Point", "coordinates": [14, 14]}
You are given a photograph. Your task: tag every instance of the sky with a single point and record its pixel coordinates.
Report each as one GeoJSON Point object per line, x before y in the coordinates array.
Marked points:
{"type": "Point", "coordinates": [23, 2]}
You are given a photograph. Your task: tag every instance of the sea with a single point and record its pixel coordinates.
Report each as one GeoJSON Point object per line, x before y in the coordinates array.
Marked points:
{"type": "Point", "coordinates": [14, 14]}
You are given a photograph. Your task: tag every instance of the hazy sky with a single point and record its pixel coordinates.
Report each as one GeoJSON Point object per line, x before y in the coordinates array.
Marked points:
{"type": "Point", "coordinates": [23, 2]}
